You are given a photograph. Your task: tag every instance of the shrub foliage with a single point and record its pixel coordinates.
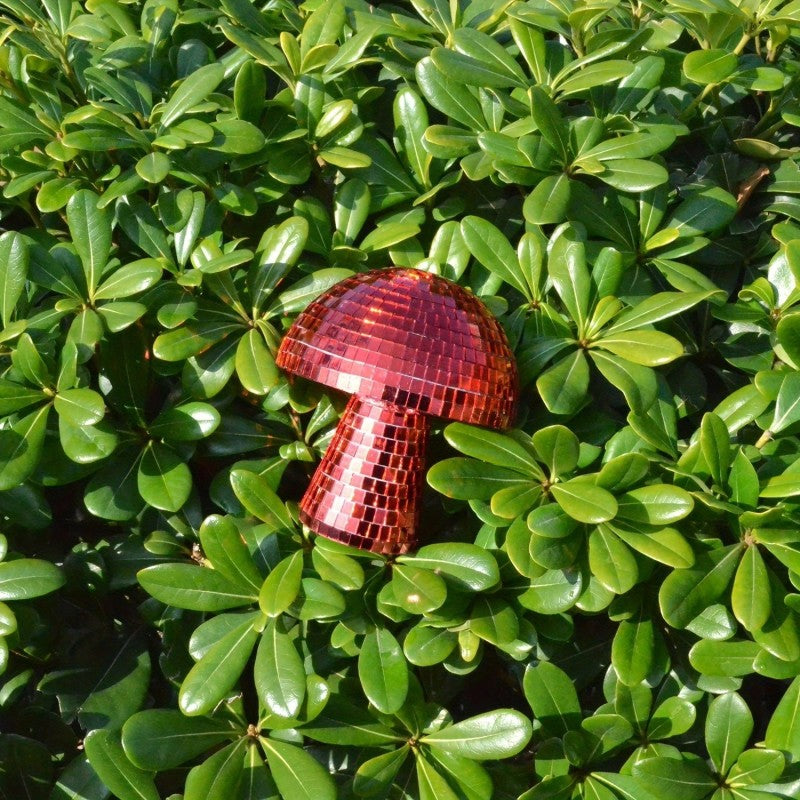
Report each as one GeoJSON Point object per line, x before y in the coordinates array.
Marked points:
{"type": "Point", "coordinates": [606, 606]}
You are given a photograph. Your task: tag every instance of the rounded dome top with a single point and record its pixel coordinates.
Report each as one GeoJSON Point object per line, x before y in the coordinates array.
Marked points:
{"type": "Point", "coordinates": [410, 338]}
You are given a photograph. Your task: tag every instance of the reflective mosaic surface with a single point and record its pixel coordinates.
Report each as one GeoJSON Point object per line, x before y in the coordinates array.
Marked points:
{"type": "Point", "coordinates": [407, 345]}
{"type": "Point", "coordinates": [410, 338]}
{"type": "Point", "coordinates": [366, 489]}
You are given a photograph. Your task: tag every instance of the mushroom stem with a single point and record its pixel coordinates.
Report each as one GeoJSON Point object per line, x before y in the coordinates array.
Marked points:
{"type": "Point", "coordinates": [367, 488]}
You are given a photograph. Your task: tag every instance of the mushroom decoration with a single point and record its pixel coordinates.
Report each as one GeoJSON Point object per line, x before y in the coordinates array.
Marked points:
{"type": "Point", "coordinates": [407, 345]}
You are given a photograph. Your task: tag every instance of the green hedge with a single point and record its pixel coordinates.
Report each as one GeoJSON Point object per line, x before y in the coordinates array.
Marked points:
{"type": "Point", "coordinates": [606, 604]}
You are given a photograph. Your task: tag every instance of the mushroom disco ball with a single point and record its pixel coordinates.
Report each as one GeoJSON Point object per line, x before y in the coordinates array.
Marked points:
{"type": "Point", "coordinates": [406, 345]}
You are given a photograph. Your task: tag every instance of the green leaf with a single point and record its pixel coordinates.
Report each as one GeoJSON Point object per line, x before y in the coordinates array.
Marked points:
{"type": "Point", "coordinates": [224, 547]}
{"type": "Point", "coordinates": [219, 775]}
{"type": "Point", "coordinates": [79, 782]}
{"type": "Point", "coordinates": [215, 674]}
{"type": "Point", "coordinates": [24, 578]}
{"type": "Point", "coordinates": [432, 785]}
{"type": "Point", "coordinates": [686, 592]}
{"type": "Point", "coordinates": [655, 308]}
{"type": "Point", "coordinates": [255, 364]}
{"type": "Point", "coordinates": [467, 566]}
{"type": "Point", "coordinates": [593, 75]}
{"type": "Point", "coordinates": [749, 601]}
{"type": "Point", "coordinates": [549, 122]}
{"type": "Point", "coordinates": [418, 591]}
{"type": "Point", "coordinates": [382, 671]}
{"type": "Point", "coordinates": [479, 61]}
{"type": "Point", "coordinates": [193, 89]}
{"type": "Point", "coordinates": [729, 725]}
{"type": "Point", "coordinates": [611, 562]}
{"type": "Point", "coordinates": [548, 203]}
{"type": "Point", "coordinates": [567, 268]}
{"type": "Point", "coordinates": [633, 174]}
{"type": "Point", "coordinates": [108, 759]}
{"type": "Point", "coordinates": [15, 396]}
{"type": "Point", "coordinates": [298, 296]}
{"type": "Point", "coordinates": [282, 585]}
{"type": "Point", "coordinates": [648, 348]}
{"type": "Point", "coordinates": [552, 696]}
{"type": "Point", "coordinates": [160, 739]}
{"type": "Point", "coordinates": [192, 587]}
{"type": "Point", "coordinates": [703, 212]}
{"type": "Point", "coordinates": [674, 777]}
{"type": "Point", "coordinates": [563, 386]}
{"type": "Point", "coordinates": [279, 250]}
{"type": "Point", "coordinates": [129, 280]}
{"type": "Point", "coordinates": [425, 646]}
{"type": "Point", "coordinates": [29, 362]}
{"type": "Point", "coordinates": [491, 248]}
{"type": "Point", "coordinates": [558, 448]}
{"type": "Point", "coordinates": [449, 97]}
{"type": "Point", "coordinates": [21, 447]}
{"type": "Point", "coordinates": [410, 123]}
{"type": "Point", "coordinates": [163, 479]}
{"type": "Point", "coordinates": [343, 723]}
{"type": "Point", "coordinates": [467, 479]}
{"type": "Point", "coordinates": [491, 446]}
{"type": "Point", "coordinates": [787, 404]}
{"type": "Point", "coordinates": [494, 735]}
{"type": "Point", "coordinates": [783, 731]}
{"type": "Point", "coordinates": [494, 620]}
{"type": "Point", "coordinates": [187, 422]}
{"type": "Point", "coordinates": [153, 167]}
{"type": "Point", "coordinates": [727, 658]}
{"type": "Point", "coordinates": [90, 229]}
{"type": "Point", "coordinates": [80, 406]}
{"type": "Point", "coordinates": [278, 673]}
{"type": "Point", "coordinates": [259, 498]}
{"type": "Point", "coordinates": [324, 26]}
{"type": "Point", "coordinates": [14, 259]}
{"type": "Point", "coordinates": [673, 717]}
{"type": "Point", "coordinates": [296, 773]}
{"type": "Point", "coordinates": [757, 766]}
{"type": "Point", "coordinates": [656, 504]}
{"type": "Point", "coordinates": [709, 66]}
{"type": "Point", "coordinates": [376, 775]}
{"type": "Point", "coordinates": [338, 568]}
{"type": "Point", "coordinates": [633, 648]}
{"type": "Point", "coordinates": [584, 501]}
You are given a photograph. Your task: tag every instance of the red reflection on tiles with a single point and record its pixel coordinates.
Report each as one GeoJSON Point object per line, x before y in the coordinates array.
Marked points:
{"type": "Point", "coordinates": [407, 345]}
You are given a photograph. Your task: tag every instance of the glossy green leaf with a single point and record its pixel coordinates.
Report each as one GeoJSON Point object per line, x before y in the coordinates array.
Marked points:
{"type": "Point", "coordinates": [282, 585]}
{"type": "Point", "coordinates": [90, 228]}
{"type": "Point", "coordinates": [749, 601]}
{"type": "Point", "coordinates": [163, 479]}
{"type": "Point", "coordinates": [729, 725]}
{"type": "Point", "coordinates": [211, 678]}
{"type": "Point", "coordinates": [467, 566]}
{"type": "Point", "coordinates": [584, 501]}
{"type": "Point", "coordinates": [382, 671]}
{"type": "Point", "coordinates": [24, 578]}
{"type": "Point", "coordinates": [296, 773]}
{"type": "Point", "coordinates": [709, 66]}
{"type": "Point", "coordinates": [563, 386]}
{"type": "Point", "coordinates": [192, 587]}
{"type": "Point", "coordinates": [159, 739]}
{"type": "Point", "coordinates": [278, 672]}
{"type": "Point", "coordinates": [493, 735]}
{"type": "Point", "coordinates": [686, 592]}
{"type": "Point", "coordinates": [552, 696]}
{"type": "Point", "coordinates": [108, 759]}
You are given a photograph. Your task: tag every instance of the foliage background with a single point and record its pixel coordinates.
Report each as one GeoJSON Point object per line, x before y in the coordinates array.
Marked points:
{"type": "Point", "coordinates": [607, 605]}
